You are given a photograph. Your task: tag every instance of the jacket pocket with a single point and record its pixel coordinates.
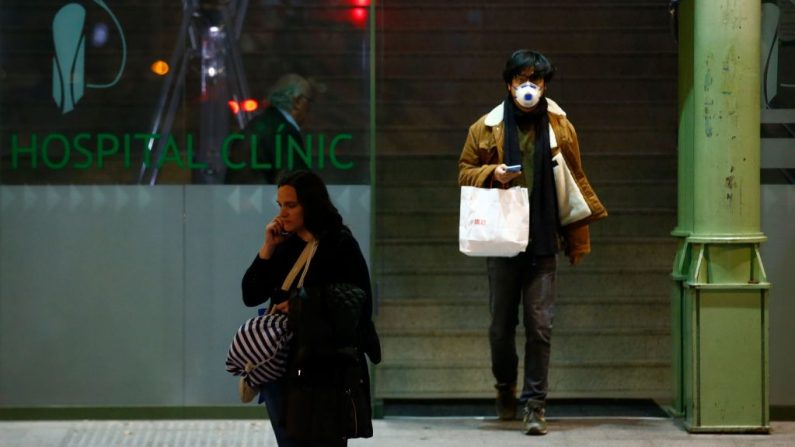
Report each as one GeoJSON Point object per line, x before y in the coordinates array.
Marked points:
{"type": "Point", "coordinates": [487, 151]}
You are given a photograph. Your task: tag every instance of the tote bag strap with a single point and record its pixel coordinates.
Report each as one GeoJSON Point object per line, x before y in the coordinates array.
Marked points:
{"type": "Point", "coordinates": [302, 262]}
{"type": "Point", "coordinates": [311, 255]}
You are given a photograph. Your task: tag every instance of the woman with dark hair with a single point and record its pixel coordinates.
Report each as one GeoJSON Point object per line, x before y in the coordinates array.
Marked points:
{"type": "Point", "coordinates": [527, 141]}
{"type": "Point", "coordinates": [312, 269]}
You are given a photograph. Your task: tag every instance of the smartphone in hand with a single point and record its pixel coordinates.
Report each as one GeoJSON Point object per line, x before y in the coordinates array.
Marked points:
{"type": "Point", "coordinates": [513, 168]}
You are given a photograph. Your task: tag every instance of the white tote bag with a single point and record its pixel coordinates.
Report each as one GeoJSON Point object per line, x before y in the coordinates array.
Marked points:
{"type": "Point", "coordinates": [493, 222]}
{"type": "Point", "coordinates": [572, 206]}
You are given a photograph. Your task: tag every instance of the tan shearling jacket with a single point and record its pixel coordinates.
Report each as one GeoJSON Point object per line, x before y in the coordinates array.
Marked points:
{"type": "Point", "coordinates": [483, 152]}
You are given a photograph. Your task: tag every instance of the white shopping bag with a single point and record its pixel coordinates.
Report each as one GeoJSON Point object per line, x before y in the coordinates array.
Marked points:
{"type": "Point", "coordinates": [572, 206]}
{"type": "Point", "coordinates": [493, 222]}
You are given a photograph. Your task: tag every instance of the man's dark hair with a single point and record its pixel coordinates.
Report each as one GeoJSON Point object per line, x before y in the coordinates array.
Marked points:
{"type": "Point", "coordinates": [521, 59]}
{"type": "Point", "coordinates": [320, 215]}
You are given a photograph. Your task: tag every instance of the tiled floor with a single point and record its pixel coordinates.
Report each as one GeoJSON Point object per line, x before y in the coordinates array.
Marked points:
{"type": "Point", "coordinates": [391, 432]}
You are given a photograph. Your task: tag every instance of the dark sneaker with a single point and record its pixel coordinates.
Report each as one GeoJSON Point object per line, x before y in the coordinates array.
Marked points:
{"type": "Point", "coordinates": [534, 421]}
{"type": "Point", "coordinates": [506, 401]}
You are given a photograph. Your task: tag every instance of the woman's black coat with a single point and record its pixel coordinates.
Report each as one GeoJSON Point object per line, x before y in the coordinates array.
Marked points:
{"type": "Point", "coordinates": [327, 385]}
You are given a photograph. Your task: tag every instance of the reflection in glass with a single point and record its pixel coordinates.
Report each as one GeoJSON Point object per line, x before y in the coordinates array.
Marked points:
{"type": "Point", "coordinates": [196, 73]}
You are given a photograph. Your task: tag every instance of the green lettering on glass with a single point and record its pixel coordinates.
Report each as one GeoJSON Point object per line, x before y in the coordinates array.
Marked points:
{"type": "Point", "coordinates": [16, 150]}
{"type": "Point", "coordinates": [255, 163]}
{"type": "Point", "coordinates": [191, 162]}
{"type": "Point", "coordinates": [149, 139]}
{"type": "Point", "coordinates": [45, 151]}
{"type": "Point", "coordinates": [171, 154]}
{"type": "Point", "coordinates": [102, 152]}
{"type": "Point", "coordinates": [321, 150]}
{"type": "Point", "coordinates": [295, 147]}
{"type": "Point", "coordinates": [82, 150]}
{"type": "Point", "coordinates": [82, 154]}
{"type": "Point", "coordinates": [277, 147]}
{"type": "Point", "coordinates": [127, 149]}
{"type": "Point", "coordinates": [332, 155]}
{"type": "Point", "coordinates": [225, 151]}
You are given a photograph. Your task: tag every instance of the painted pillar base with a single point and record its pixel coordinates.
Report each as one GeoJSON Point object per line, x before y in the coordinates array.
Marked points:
{"type": "Point", "coordinates": [725, 338]}
{"type": "Point", "coordinates": [679, 276]}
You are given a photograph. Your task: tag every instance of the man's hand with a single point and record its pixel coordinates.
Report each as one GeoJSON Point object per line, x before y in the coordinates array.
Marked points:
{"type": "Point", "coordinates": [575, 258]}
{"type": "Point", "coordinates": [503, 176]}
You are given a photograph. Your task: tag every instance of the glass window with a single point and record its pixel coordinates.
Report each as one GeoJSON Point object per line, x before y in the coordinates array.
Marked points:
{"type": "Point", "coordinates": [192, 92]}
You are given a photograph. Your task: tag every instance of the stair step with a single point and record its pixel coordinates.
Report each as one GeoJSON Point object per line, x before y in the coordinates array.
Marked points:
{"type": "Point", "coordinates": [609, 345]}
{"type": "Point", "coordinates": [632, 222]}
{"type": "Point", "coordinates": [552, 39]}
{"type": "Point", "coordinates": [397, 315]}
{"type": "Point", "coordinates": [659, 297]}
{"type": "Point", "coordinates": [473, 283]}
{"type": "Point", "coordinates": [437, 332]}
{"type": "Point", "coordinates": [593, 140]}
{"type": "Point", "coordinates": [562, 271]}
{"type": "Point", "coordinates": [565, 87]}
{"type": "Point", "coordinates": [487, 63]}
{"type": "Point", "coordinates": [444, 195]}
{"type": "Point", "coordinates": [474, 380]}
{"type": "Point", "coordinates": [599, 167]}
{"type": "Point", "coordinates": [435, 17]}
{"type": "Point", "coordinates": [449, 114]}
{"type": "Point", "coordinates": [462, 346]}
{"type": "Point", "coordinates": [421, 254]}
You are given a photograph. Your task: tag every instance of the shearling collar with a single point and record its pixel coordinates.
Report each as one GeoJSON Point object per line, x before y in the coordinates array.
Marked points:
{"type": "Point", "coordinates": [495, 116]}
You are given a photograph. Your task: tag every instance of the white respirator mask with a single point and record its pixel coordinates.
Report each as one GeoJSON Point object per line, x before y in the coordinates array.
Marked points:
{"type": "Point", "coordinates": [527, 94]}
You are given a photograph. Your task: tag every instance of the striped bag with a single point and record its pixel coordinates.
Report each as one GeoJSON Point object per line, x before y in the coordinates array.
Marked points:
{"type": "Point", "coordinates": [258, 351]}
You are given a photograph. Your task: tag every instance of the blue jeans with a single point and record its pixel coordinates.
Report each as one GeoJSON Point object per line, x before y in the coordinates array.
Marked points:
{"type": "Point", "coordinates": [272, 394]}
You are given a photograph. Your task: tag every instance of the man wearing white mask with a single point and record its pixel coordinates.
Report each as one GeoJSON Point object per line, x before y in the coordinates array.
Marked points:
{"type": "Point", "coordinates": [514, 145]}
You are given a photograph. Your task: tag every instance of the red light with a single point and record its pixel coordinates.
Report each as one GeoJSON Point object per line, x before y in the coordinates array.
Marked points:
{"type": "Point", "coordinates": [234, 106]}
{"type": "Point", "coordinates": [361, 2]}
{"type": "Point", "coordinates": [359, 15]}
{"type": "Point", "coordinates": [250, 105]}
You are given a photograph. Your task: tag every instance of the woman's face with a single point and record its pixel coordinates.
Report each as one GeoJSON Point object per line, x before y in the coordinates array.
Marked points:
{"type": "Point", "coordinates": [290, 211]}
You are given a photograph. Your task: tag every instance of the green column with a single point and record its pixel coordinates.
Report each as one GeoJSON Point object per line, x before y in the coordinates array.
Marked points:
{"type": "Point", "coordinates": [724, 302]}
{"type": "Point", "coordinates": [684, 225]}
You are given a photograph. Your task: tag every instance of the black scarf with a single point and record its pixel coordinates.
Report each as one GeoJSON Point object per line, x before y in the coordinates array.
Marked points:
{"type": "Point", "coordinates": [543, 201]}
